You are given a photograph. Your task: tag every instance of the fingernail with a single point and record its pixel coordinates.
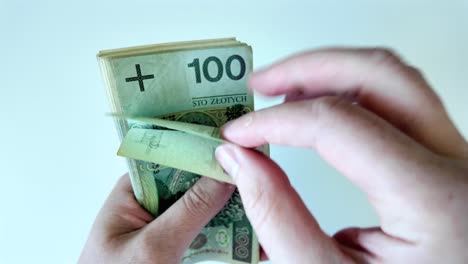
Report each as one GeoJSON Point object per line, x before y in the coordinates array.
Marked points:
{"type": "Point", "coordinates": [226, 157]}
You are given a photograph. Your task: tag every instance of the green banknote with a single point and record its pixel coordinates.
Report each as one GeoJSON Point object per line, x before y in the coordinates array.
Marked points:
{"type": "Point", "coordinates": [198, 82]}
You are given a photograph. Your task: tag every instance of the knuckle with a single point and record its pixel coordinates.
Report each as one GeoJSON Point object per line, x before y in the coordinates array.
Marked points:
{"type": "Point", "coordinates": [417, 77]}
{"type": "Point", "coordinates": [197, 200]}
{"type": "Point", "coordinates": [147, 241]}
{"type": "Point", "coordinates": [123, 182]}
{"type": "Point", "coordinates": [166, 242]}
{"type": "Point", "coordinates": [327, 112]}
{"type": "Point", "coordinates": [154, 244]}
{"type": "Point", "coordinates": [260, 206]}
{"type": "Point", "coordinates": [330, 105]}
{"type": "Point", "coordinates": [124, 179]}
{"type": "Point", "coordinates": [382, 58]}
{"type": "Point", "coordinates": [145, 248]}
{"type": "Point", "coordinates": [384, 55]}
{"type": "Point", "coordinates": [413, 71]}
{"type": "Point", "coordinates": [256, 199]}
{"type": "Point", "coordinates": [388, 58]}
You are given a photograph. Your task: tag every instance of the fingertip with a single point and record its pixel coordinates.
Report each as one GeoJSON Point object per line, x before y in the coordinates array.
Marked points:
{"type": "Point", "coordinates": [233, 131]}
{"type": "Point", "coordinates": [255, 78]}
{"type": "Point", "coordinates": [225, 130]}
{"type": "Point", "coordinates": [267, 81]}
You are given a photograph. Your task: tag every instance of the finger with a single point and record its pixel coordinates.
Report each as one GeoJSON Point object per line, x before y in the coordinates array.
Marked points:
{"type": "Point", "coordinates": [378, 80]}
{"type": "Point", "coordinates": [356, 142]}
{"type": "Point", "coordinates": [346, 135]}
{"type": "Point", "coordinates": [274, 209]}
{"type": "Point", "coordinates": [183, 221]}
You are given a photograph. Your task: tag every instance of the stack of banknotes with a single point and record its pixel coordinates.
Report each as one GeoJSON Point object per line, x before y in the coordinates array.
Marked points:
{"type": "Point", "coordinates": [169, 102]}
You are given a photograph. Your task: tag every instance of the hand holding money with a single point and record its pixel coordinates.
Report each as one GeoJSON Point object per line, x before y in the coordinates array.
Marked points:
{"type": "Point", "coordinates": [192, 88]}
{"type": "Point", "coordinates": [124, 232]}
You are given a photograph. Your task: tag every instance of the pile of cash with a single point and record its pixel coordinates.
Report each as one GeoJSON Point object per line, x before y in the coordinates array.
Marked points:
{"type": "Point", "coordinates": [197, 82]}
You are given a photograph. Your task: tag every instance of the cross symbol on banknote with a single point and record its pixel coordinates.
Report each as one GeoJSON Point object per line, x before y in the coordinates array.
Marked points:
{"type": "Point", "coordinates": [140, 78]}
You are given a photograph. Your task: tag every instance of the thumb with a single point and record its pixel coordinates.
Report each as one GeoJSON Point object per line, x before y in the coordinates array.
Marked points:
{"type": "Point", "coordinates": [178, 226]}
{"type": "Point", "coordinates": [284, 226]}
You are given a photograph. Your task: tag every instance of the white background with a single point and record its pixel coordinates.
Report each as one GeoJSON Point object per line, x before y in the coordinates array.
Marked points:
{"type": "Point", "coordinates": [57, 148]}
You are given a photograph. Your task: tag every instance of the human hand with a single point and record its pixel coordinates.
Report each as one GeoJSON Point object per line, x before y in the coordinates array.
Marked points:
{"type": "Point", "coordinates": [124, 232]}
{"type": "Point", "coordinates": [377, 121]}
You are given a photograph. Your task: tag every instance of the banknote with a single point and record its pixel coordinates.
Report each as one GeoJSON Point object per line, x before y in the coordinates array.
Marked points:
{"type": "Point", "coordinates": [198, 82]}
